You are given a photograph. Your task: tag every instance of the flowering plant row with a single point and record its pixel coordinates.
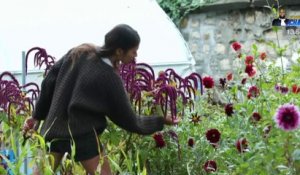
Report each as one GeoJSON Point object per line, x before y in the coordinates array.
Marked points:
{"type": "Point", "coordinates": [248, 118]}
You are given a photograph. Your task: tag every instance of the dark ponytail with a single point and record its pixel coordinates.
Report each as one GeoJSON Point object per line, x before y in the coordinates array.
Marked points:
{"type": "Point", "coordinates": [121, 36]}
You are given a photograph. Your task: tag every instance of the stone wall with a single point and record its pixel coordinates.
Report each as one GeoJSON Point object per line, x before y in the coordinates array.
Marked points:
{"type": "Point", "coordinates": [210, 31]}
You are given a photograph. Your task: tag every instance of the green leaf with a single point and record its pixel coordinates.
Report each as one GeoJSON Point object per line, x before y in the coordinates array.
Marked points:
{"type": "Point", "coordinates": [296, 155]}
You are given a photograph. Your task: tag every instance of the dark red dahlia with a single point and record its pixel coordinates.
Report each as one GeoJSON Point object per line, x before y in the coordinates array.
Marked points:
{"type": "Point", "coordinates": [236, 46]}
{"type": "Point", "coordinates": [284, 89]}
{"type": "Point", "coordinates": [159, 140]}
{"type": "Point", "coordinates": [210, 166]}
{"type": "Point", "coordinates": [191, 142]}
{"type": "Point", "coordinates": [229, 76]}
{"type": "Point", "coordinates": [244, 80]}
{"type": "Point", "coordinates": [295, 89]}
{"type": "Point", "coordinates": [208, 82]}
{"type": "Point", "coordinates": [256, 116]}
{"type": "Point", "coordinates": [229, 109]}
{"type": "Point", "coordinates": [253, 92]}
{"type": "Point", "coordinates": [250, 70]}
{"type": "Point", "coordinates": [263, 56]}
{"type": "Point", "coordinates": [241, 145]}
{"type": "Point", "coordinates": [213, 135]}
{"type": "Point", "coordinates": [249, 60]}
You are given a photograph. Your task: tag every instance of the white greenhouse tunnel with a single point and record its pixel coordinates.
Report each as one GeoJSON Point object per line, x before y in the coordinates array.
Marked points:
{"type": "Point", "coordinates": [58, 26]}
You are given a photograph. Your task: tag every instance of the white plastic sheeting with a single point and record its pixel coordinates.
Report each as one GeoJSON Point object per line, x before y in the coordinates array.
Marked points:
{"type": "Point", "coordinates": [58, 25]}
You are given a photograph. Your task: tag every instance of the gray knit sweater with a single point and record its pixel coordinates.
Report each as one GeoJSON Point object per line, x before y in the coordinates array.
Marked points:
{"type": "Point", "coordinates": [79, 96]}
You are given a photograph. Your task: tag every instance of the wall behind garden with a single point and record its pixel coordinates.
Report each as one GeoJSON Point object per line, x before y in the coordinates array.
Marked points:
{"type": "Point", "coordinates": [210, 30]}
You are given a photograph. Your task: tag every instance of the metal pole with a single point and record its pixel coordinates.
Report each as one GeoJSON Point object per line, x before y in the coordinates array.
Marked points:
{"type": "Point", "coordinates": [23, 83]}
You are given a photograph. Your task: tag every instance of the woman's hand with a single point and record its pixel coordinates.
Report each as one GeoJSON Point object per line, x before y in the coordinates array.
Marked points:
{"type": "Point", "coordinates": [171, 121]}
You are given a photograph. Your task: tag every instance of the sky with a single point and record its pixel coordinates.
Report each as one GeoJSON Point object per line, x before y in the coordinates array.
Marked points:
{"type": "Point", "coordinates": [59, 25]}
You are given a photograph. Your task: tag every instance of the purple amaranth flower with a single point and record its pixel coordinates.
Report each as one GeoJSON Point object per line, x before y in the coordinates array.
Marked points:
{"type": "Point", "coordinates": [287, 117]}
{"type": "Point", "coordinates": [196, 79]}
{"type": "Point", "coordinates": [40, 57]}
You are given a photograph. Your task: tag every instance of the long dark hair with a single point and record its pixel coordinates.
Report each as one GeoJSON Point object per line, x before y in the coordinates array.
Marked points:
{"type": "Point", "coordinates": [121, 36]}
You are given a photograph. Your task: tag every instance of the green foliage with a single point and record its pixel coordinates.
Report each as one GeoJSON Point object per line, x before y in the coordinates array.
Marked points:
{"type": "Point", "coordinates": [178, 9]}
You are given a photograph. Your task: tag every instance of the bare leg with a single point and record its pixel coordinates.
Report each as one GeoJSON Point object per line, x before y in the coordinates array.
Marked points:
{"type": "Point", "coordinates": [91, 166]}
{"type": "Point", "coordinates": [105, 168]}
{"type": "Point", "coordinates": [57, 159]}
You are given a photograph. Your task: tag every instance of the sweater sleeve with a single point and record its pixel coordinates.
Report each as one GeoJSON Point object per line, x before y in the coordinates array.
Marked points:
{"type": "Point", "coordinates": [122, 114]}
{"type": "Point", "coordinates": [43, 103]}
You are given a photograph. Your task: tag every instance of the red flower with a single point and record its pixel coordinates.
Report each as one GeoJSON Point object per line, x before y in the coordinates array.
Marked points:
{"type": "Point", "coordinates": [213, 136]}
{"type": "Point", "coordinates": [250, 70]}
{"type": "Point", "coordinates": [29, 124]}
{"type": "Point", "coordinates": [249, 60]}
{"type": "Point", "coordinates": [210, 166]}
{"type": "Point", "coordinates": [229, 76]}
{"type": "Point", "coordinates": [253, 92]}
{"type": "Point", "coordinates": [236, 46]}
{"type": "Point", "coordinates": [256, 116]}
{"type": "Point", "coordinates": [244, 80]}
{"type": "Point", "coordinates": [159, 140]}
{"type": "Point", "coordinates": [208, 82]}
{"type": "Point", "coordinates": [263, 56]}
{"type": "Point", "coordinates": [191, 142]}
{"type": "Point", "coordinates": [229, 109]}
{"type": "Point", "coordinates": [295, 89]}
{"type": "Point", "coordinates": [241, 145]}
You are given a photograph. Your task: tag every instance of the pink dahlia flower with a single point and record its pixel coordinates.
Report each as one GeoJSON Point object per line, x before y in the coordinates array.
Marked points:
{"type": "Point", "coordinates": [287, 117]}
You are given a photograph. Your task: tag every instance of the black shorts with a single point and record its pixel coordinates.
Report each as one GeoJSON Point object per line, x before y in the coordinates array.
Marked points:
{"type": "Point", "coordinates": [86, 146]}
